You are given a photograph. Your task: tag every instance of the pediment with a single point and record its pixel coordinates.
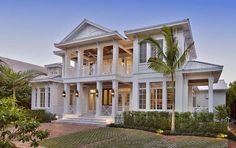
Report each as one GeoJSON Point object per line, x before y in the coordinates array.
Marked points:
{"type": "Point", "coordinates": [85, 30]}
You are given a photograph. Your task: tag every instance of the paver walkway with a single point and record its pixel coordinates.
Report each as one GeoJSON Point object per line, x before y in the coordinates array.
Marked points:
{"type": "Point", "coordinates": [57, 130]}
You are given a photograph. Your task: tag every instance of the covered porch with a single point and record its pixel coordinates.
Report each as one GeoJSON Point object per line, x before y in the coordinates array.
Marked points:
{"type": "Point", "coordinates": [101, 98]}
{"type": "Point", "coordinates": [196, 74]}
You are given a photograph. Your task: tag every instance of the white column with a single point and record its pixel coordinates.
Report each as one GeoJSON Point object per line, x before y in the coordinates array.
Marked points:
{"type": "Point", "coordinates": [135, 96]}
{"type": "Point", "coordinates": [190, 98]}
{"type": "Point", "coordinates": [38, 96]}
{"type": "Point", "coordinates": [164, 95]}
{"type": "Point", "coordinates": [66, 98]}
{"type": "Point", "coordinates": [80, 60]}
{"type": "Point", "coordinates": [130, 99]}
{"type": "Point", "coordinates": [135, 55]}
{"type": "Point", "coordinates": [46, 96]}
{"type": "Point", "coordinates": [210, 92]}
{"type": "Point", "coordinates": [63, 66]}
{"type": "Point", "coordinates": [99, 98]}
{"type": "Point", "coordinates": [79, 99]}
{"type": "Point", "coordinates": [185, 94]}
{"type": "Point", "coordinates": [147, 96]}
{"type": "Point", "coordinates": [33, 98]}
{"type": "Point", "coordinates": [115, 57]}
{"type": "Point", "coordinates": [67, 64]}
{"type": "Point", "coordinates": [148, 51]}
{"type": "Point", "coordinates": [114, 98]}
{"type": "Point", "coordinates": [99, 59]}
{"type": "Point", "coordinates": [123, 102]}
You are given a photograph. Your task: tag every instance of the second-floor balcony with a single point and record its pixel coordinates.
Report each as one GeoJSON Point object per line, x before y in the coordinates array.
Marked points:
{"type": "Point", "coordinates": [92, 70]}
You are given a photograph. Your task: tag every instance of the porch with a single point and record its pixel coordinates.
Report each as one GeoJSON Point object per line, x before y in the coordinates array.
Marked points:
{"type": "Point", "coordinates": [97, 59]}
{"type": "Point", "coordinates": [96, 99]}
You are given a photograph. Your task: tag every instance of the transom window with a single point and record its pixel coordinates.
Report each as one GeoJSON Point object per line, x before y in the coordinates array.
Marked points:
{"type": "Point", "coordinates": [142, 95]}
{"type": "Point", "coordinates": [42, 97]}
{"type": "Point", "coordinates": [156, 95]}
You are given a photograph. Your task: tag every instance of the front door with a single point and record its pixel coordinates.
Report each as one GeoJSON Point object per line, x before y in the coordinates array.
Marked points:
{"type": "Point", "coordinates": [92, 102]}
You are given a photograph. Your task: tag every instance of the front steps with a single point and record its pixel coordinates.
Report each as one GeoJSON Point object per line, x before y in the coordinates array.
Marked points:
{"type": "Point", "coordinates": [85, 120]}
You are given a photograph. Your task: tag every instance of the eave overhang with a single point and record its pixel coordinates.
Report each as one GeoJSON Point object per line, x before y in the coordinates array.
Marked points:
{"type": "Point", "coordinates": [87, 40]}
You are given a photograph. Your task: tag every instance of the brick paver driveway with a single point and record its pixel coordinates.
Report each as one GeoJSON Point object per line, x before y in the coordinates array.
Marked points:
{"type": "Point", "coordinates": [57, 130]}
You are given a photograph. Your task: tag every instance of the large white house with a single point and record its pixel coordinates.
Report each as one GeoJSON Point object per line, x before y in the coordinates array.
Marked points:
{"type": "Point", "coordinates": [104, 73]}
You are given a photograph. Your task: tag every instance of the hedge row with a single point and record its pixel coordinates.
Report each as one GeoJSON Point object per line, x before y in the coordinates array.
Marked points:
{"type": "Point", "coordinates": [41, 115]}
{"type": "Point", "coordinates": [201, 123]}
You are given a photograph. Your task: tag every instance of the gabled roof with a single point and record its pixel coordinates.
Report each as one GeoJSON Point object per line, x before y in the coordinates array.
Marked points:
{"type": "Point", "coordinates": [183, 24]}
{"type": "Point", "coordinates": [83, 24]}
{"type": "Point", "coordinates": [155, 27]}
{"type": "Point", "coordinates": [197, 66]}
{"type": "Point", "coordinates": [87, 31]}
{"type": "Point", "coordinates": [54, 65]}
{"type": "Point", "coordinates": [49, 78]}
{"type": "Point", "coordinates": [21, 66]}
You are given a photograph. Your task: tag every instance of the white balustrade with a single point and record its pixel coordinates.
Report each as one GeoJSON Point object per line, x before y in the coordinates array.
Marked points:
{"type": "Point", "coordinates": [91, 70]}
{"type": "Point", "coordinates": [125, 69]}
{"type": "Point", "coordinates": [106, 68]}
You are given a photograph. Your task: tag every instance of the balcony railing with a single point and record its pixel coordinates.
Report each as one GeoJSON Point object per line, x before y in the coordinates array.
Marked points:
{"type": "Point", "coordinates": [198, 109]}
{"type": "Point", "coordinates": [106, 69]}
{"type": "Point", "coordinates": [125, 69]}
{"type": "Point", "coordinates": [89, 70]}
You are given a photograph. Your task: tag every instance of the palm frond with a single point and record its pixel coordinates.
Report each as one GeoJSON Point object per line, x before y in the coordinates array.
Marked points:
{"type": "Point", "coordinates": [155, 43]}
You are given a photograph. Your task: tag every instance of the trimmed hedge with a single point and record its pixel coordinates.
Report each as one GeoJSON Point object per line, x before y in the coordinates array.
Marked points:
{"type": "Point", "coordinates": [41, 115]}
{"type": "Point", "coordinates": [187, 123]}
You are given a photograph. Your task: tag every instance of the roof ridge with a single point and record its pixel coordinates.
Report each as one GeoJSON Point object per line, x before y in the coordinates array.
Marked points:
{"type": "Point", "coordinates": [205, 63]}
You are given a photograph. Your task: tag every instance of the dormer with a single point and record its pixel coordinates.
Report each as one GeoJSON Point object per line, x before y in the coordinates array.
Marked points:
{"type": "Point", "coordinates": [54, 69]}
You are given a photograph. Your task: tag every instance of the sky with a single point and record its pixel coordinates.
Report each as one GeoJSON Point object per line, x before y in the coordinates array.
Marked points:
{"type": "Point", "coordinates": [29, 29]}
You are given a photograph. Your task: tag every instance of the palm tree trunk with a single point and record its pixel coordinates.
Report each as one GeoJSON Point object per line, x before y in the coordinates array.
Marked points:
{"type": "Point", "coordinates": [173, 106]}
{"type": "Point", "coordinates": [14, 92]}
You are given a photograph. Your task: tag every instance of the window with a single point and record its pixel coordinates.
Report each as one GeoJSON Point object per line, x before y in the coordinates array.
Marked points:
{"type": "Point", "coordinates": [142, 95]}
{"type": "Point", "coordinates": [154, 50]}
{"type": "Point", "coordinates": [107, 97]}
{"type": "Point", "coordinates": [170, 101]}
{"type": "Point", "coordinates": [49, 97]}
{"type": "Point", "coordinates": [143, 53]}
{"type": "Point", "coordinates": [42, 97]}
{"type": "Point", "coordinates": [36, 97]}
{"type": "Point", "coordinates": [156, 95]}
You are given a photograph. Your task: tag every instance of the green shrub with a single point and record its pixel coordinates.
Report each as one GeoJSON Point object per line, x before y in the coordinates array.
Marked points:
{"type": "Point", "coordinates": [41, 115]}
{"type": "Point", "coordinates": [221, 112]}
{"type": "Point", "coordinates": [187, 123]}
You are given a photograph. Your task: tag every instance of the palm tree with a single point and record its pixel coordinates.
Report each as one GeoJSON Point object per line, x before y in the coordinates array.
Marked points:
{"type": "Point", "coordinates": [168, 61]}
{"type": "Point", "coordinates": [16, 80]}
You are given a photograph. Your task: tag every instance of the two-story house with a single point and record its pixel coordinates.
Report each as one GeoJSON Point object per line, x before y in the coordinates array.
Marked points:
{"type": "Point", "coordinates": [104, 73]}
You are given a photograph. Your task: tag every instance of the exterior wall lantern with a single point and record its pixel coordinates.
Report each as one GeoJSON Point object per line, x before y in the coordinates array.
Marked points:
{"type": "Point", "coordinates": [63, 94]}
{"type": "Point", "coordinates": [76, 93]}
{"type": "Point", "coordinates": [112, 92]}
{"type": "Point", "coordinates": [96, 93]}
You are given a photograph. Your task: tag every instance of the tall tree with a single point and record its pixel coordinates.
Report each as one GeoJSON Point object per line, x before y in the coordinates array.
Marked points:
{"type": "Point", "coordinates": [16, 81]}
{"type": "Point", "coordinates": [167, 61]}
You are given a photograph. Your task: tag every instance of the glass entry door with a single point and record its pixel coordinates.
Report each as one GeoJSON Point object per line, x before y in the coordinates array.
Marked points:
{"type": "Point", "coordinates": [92, 102]}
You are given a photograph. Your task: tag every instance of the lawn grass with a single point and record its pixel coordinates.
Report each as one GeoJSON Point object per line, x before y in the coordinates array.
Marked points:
{"type": "Point", "coordinates": [122, 138]}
